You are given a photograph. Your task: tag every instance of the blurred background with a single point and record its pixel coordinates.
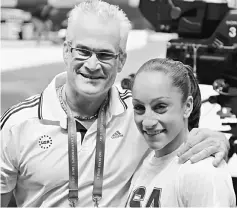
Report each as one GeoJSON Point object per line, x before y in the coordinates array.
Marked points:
{"type": "Point", "coordinates": [32, 33]}
{"type": "Point", "coordinates": [201, 33]}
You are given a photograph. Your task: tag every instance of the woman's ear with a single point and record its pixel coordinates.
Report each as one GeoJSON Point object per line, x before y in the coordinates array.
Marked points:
{"type": "Point", "coordinates": [122, 60]}
{"type": "Point", "coordinates": [188, 108]}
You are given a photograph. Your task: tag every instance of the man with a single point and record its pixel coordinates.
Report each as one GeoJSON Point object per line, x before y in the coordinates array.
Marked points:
{"type": "Point", "coordinates": [77, 143]}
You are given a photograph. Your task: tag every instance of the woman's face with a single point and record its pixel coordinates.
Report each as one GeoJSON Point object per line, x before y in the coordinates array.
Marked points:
{"type": "Point", "coordinates": [159, 111]}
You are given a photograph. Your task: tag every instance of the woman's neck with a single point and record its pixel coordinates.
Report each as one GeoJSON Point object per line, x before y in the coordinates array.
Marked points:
{"type": "Point", "coordinates": [83, 105]}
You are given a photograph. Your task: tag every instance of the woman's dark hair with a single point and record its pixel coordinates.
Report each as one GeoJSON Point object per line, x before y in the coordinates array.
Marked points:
{"type": "Point", "coordinates": [183, 78]}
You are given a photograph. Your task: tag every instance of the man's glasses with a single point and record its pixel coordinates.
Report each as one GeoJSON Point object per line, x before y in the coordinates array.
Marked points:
{"type": "Point", "coordinates": [85, 54]}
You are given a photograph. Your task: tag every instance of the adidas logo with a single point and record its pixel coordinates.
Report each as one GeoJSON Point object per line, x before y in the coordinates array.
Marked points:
{"type": "Point", "coordinates": [116, 135]}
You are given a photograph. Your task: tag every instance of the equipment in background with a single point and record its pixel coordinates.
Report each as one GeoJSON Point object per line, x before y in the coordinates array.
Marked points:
{"type": "Point", "coordinates": [207, 35]}
{"type": "Point", "coordinates": [207, 41]}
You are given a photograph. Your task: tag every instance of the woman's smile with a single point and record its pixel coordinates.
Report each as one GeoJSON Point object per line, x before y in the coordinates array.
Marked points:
{"type": "Point", "coordinates": [154, 132]}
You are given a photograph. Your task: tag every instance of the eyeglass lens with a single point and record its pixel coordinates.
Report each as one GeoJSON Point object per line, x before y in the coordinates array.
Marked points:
{"type": "Point", "coordinates": [103, 56]}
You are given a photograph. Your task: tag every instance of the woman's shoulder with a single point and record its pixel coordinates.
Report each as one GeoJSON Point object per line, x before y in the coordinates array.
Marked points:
{"type": "Point", "coordinates": [206, 162]}
{"type": "Point", "coordinates": [203, 171]}
{"type": "Point", "coordinates": [209, 184]}
{"type": "Point", "coordinates": [204, 166]}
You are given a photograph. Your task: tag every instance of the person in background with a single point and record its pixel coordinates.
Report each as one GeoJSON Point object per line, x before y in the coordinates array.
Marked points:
{"type": "Point", "coordinates": [76, 143]}
{"type": "Point", "coordinates": [42, 22]}
{"type": "Point", "coordinates": [167, 102]}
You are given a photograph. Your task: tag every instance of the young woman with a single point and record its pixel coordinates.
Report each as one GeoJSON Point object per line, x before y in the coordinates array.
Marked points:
{"type": "Point", "coordinates": [167, 101]}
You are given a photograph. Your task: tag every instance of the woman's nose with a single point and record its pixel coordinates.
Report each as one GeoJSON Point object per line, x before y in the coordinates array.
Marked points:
{"type": "Point", "coordinates": [149, 123]}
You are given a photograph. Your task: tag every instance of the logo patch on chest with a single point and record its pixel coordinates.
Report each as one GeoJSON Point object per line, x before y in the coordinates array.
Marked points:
{"type": "Point", "coordinates": [45, 141]}
{"type": "Point", "coordinates": [116, 135]}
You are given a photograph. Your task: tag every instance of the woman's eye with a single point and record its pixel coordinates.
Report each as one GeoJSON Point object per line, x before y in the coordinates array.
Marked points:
{"type": "Point", "coordinates": [161, 108]}
{"type": "Point", "coordinates": [139, 108]}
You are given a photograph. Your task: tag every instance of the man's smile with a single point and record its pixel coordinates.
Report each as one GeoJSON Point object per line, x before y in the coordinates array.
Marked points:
{"type": "Point", "coordinates": [91, 76]}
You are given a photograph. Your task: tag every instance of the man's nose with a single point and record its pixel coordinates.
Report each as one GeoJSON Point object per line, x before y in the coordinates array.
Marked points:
{"type": "Point", "coordinates": [93, 63]}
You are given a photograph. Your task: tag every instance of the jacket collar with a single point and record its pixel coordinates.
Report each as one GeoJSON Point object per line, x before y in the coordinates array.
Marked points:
{"type": "Point", "coordinates": [50, 107]}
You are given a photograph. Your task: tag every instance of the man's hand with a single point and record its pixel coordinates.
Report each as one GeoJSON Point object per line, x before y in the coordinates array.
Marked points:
{"type": "Point", "coordinates": [202, 143]}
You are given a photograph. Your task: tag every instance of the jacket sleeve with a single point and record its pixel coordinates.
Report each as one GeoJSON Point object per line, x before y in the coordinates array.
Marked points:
{"type": "Point", "coordinates": [203, 185]}
{"type": "Point", "coordinates": [9, 164]}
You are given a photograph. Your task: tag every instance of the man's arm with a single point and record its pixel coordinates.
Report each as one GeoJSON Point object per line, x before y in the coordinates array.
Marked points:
{"type": "Point", "coordinates": [9, 165]}
{"type": "Point", "coordinates": [5, 199]}
{"type": "Point", "coordinates": [202, 143]}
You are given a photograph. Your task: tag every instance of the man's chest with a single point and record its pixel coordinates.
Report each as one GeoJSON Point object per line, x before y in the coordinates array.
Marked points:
{"type": "Point", "coordinates": [44, 155]}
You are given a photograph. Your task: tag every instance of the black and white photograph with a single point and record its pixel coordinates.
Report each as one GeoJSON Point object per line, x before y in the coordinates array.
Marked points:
{"type": "Point", "coordinates": [118, 103]}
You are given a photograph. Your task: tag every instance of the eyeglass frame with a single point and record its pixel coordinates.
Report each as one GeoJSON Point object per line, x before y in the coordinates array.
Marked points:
{"type": "Point", "coordinates": [115, 56]}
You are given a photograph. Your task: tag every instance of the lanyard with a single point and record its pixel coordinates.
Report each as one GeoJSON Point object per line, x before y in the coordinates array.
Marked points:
{"type": "Point", "coordinates": [99, 157]}
{"type": "Point", "coordinates": [73, 160]}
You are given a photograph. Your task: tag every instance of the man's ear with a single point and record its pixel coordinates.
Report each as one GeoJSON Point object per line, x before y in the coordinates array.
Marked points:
{"type": "Point", "coordinates": [122, 60]}
{"type": "Point", "coordinates": [66, 52]}
{"type": "Point", "coordinates": [188, 108]}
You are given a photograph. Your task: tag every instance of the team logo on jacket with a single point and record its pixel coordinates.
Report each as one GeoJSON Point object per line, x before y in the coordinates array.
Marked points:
{"type": "Point", "coordinates": [45, 141]}
{"type": "Point", "coordinates": [116, 135]}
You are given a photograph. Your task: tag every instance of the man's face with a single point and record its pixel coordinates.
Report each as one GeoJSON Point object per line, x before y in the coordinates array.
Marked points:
{"type": "Point", "coordinates": [92, 76]}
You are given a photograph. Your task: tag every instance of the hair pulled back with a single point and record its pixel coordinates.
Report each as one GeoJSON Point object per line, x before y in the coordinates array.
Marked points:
{"type": "Point", "coordinates": [183, 78]}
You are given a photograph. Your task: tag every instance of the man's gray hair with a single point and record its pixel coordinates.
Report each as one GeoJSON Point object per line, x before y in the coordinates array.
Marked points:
{"type": "Point", "coordinates": [104, 11]}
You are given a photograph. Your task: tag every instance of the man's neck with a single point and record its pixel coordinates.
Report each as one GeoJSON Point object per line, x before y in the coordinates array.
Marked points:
{"type": "Point", "coordinates": [83, 105]}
